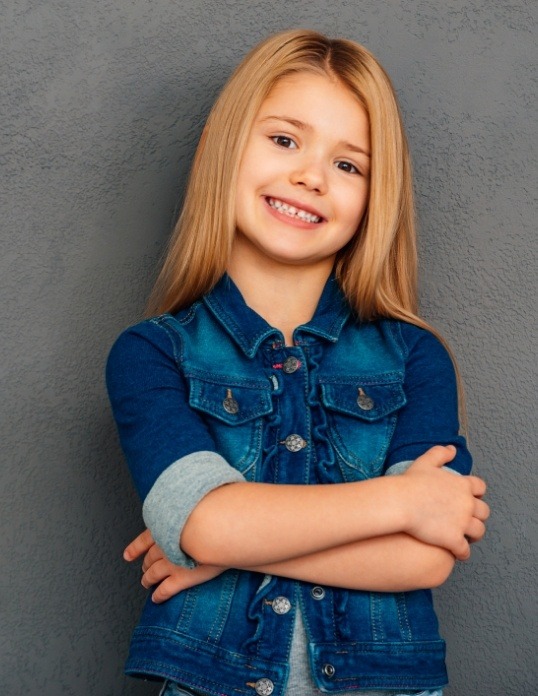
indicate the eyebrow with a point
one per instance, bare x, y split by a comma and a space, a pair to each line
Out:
304, 126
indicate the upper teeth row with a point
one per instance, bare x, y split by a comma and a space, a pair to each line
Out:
292, 211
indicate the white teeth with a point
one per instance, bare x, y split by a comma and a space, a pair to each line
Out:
291, 211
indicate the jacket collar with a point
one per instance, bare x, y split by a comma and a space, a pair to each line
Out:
249, 330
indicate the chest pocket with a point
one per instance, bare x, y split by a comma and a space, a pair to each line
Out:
233, 410
361, 417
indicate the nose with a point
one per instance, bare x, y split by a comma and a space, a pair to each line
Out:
310, 173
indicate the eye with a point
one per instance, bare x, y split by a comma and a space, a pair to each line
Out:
284, 141
347, 167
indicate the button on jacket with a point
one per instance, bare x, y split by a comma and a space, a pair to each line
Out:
212, 395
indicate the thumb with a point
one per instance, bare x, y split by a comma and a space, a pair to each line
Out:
437, 456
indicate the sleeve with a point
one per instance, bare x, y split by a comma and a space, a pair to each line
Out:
169, 449
430, 416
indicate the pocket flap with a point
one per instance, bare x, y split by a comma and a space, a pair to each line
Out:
230, 401
364, 399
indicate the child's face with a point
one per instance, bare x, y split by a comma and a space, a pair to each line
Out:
303, 181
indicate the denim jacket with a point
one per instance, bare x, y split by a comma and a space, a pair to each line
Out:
212, 395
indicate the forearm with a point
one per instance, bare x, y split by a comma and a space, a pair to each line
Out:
244, 525
394, 563
250, 524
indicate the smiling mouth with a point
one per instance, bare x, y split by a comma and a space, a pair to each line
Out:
292, 211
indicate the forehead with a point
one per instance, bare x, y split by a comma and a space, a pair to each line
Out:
318, 101
310, 80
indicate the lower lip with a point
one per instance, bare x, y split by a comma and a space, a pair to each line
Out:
289, 220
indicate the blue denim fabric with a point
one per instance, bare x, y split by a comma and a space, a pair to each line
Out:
171, 689
209, 396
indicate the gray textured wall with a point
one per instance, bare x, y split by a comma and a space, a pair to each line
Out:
101, 106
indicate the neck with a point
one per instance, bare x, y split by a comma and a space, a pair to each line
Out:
285, 296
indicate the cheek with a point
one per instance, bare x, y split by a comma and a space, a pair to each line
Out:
353, 208
361, 202
256, 163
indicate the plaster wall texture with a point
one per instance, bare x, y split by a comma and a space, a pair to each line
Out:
101, 107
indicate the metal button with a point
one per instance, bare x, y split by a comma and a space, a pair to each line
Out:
264, 687
317, 592
294, 443
364, 401
329, 670
229, 404
281, 605
290, 365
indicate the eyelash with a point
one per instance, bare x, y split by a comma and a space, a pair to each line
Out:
277, 139
353, 169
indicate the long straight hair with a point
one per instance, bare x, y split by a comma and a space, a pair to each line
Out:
377, 270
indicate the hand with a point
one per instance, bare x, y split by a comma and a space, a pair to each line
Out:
447, 510
158, 570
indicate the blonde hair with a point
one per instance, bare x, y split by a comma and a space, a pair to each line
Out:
377, 270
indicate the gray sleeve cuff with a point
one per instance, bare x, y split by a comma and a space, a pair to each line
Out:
176, 493
402, 467
398, 468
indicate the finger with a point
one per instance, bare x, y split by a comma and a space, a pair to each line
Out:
138, 546
157, 573
153, 555
170, 579
168, 588
478, 486
481, 510
475, 530
438, 456
461, 550
181, 579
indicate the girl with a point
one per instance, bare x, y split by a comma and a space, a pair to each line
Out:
286, 354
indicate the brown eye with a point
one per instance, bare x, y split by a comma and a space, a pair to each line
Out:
347, 167
284, 141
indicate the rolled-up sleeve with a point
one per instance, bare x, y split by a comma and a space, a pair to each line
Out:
169, 449
430, 416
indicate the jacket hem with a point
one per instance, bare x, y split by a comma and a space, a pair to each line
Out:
418, 665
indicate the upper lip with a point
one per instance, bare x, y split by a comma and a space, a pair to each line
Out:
298, 204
